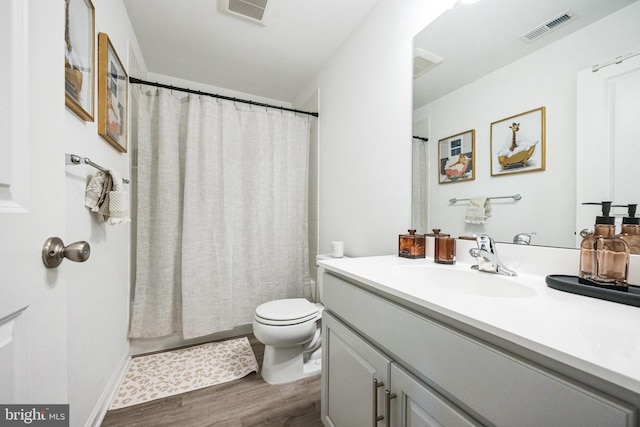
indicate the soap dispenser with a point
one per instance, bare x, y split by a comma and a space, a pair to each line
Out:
630, 230
604, 257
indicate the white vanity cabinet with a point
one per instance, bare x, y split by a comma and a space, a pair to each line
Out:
435, 374
361, 385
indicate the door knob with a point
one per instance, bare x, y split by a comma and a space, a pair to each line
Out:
54, 251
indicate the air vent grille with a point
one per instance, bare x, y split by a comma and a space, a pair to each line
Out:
558, 21
548, 26
423, 61
248, 9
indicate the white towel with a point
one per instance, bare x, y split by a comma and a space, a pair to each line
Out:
478, 211
105, 195
118, 201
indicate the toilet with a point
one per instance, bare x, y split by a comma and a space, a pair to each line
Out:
290, 331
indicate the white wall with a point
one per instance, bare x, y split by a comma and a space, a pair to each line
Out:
544, 78
365, 130
365, 176
97, 290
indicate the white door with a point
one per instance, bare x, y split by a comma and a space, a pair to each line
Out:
608, 126
32, 203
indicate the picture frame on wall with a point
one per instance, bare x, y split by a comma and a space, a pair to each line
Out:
79, 57
518, 143
113, 86
457, 157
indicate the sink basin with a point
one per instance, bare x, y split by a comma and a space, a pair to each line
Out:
468, 282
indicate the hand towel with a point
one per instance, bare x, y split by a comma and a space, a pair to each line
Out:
118, 201
478, 211
94, 191
103, 201
105, 195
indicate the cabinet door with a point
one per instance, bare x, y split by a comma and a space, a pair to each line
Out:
354, 376
414, 404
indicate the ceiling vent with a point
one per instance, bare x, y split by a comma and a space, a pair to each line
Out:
547, 27
252, 10
423, 61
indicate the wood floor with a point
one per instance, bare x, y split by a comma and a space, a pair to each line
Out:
249, 401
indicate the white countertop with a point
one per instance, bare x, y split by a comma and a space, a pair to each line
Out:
596, 336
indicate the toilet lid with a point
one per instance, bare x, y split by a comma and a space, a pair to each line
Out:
287, 309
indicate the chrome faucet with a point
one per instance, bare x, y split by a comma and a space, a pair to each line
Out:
487, 257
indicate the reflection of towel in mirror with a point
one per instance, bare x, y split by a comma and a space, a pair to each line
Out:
478, 211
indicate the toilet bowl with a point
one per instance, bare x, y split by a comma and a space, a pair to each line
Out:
289, 329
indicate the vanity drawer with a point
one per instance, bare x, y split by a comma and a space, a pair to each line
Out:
483, 380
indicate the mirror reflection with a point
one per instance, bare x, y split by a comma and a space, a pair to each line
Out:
485, 67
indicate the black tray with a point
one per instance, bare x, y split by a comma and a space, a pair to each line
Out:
571, 284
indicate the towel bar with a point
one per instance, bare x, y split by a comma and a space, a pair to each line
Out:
514, 197
73, 159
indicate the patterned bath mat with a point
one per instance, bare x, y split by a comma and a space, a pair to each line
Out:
174, 372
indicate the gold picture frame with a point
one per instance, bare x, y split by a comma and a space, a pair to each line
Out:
457, 158
518, 143
113, 88
79, 57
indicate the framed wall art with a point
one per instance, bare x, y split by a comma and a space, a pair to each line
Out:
456, 157
79, 57
113, 86
518, 143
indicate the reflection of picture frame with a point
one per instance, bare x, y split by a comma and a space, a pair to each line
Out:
112, 95
518, 143
79, 58
457, 158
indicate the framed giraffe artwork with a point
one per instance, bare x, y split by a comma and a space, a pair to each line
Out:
518, 143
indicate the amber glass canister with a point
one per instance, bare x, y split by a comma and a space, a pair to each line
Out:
444, 249
411, 245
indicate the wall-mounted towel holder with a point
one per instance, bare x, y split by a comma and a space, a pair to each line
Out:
515, 197
73, 159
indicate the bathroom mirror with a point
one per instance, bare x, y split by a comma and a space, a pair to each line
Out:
501, 59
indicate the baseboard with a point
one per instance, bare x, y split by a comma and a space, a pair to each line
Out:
109, 392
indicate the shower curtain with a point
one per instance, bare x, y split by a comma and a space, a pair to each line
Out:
221, 213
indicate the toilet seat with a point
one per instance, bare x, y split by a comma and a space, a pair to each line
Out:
286, 312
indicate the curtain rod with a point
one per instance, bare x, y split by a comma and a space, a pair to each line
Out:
134, 80
421, 138
616, 60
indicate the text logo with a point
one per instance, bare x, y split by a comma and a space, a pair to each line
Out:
34, 415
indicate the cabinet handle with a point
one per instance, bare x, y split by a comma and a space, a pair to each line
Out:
387, 406
376, 385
